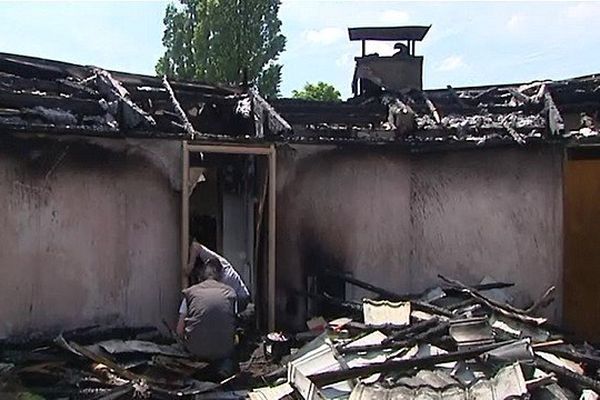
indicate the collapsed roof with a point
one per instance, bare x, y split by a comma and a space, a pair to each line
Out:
44, 96
519, 113
56, 97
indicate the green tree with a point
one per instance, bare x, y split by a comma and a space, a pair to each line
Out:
319, 91
216, 40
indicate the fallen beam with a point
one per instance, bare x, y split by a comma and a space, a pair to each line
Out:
327, 378
504, 309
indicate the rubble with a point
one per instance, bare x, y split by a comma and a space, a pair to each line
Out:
106, 363
470, 116
47, 96
477, 348
469, 343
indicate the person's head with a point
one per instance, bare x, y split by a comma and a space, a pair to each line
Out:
213, 269
197, 273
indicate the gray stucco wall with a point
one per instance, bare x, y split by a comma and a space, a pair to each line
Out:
91, 236
493, 212
397, 220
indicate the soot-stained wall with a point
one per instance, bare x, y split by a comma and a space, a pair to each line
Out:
346, 209
88, 234
397, 220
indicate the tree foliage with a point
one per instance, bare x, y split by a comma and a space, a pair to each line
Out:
319, 91
216, 40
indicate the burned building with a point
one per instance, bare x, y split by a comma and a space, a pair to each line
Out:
398, 184
94, 228
103, 171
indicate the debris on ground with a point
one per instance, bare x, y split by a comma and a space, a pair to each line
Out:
454, 341
114, 363
450, 342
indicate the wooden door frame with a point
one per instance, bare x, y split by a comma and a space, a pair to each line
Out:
266, 150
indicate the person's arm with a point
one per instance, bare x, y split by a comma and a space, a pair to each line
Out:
181, 326
233, 279
181, 322
193, 254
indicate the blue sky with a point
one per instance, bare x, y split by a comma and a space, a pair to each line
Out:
470, 43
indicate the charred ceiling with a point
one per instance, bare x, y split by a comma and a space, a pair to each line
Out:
503, 114
44, 96
54, 97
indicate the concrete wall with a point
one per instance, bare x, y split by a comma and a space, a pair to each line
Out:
88, 234
397, 220
344, 209
494, 212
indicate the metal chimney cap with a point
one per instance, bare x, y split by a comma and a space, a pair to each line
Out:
390, 33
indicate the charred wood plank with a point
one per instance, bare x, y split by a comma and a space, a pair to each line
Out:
427, 335
411, 330
53, 88
9, 99
267, 119
32, 68
189, 128
432, 109
567, 376
131, 115
326, 378
419, 305
556, 123
543, 302
504, 309
591, 360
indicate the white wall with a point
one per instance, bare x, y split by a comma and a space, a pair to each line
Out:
397, 220
89, 238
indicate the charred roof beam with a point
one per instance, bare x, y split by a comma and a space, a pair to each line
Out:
187, 125
132, 116
556, 123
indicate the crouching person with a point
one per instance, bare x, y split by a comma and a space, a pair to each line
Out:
207, 317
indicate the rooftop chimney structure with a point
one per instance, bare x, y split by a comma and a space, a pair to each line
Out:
403, 70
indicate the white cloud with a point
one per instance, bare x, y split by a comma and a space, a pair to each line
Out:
451, 63
345, 60
324, 36
394, 17
516, 23
584, 11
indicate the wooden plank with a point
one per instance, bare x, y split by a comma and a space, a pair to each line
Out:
556, 123
276, 124
431, 106
185, 212
8, 99
189, 128
230, 149
272, 282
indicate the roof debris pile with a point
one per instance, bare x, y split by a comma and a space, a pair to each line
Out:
56, 97
104, 363
525, 113
450, 342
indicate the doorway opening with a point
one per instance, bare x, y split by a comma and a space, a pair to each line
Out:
228, 205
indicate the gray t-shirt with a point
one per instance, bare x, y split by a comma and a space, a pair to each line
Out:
210, 320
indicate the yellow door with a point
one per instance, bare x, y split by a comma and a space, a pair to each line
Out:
581, 310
